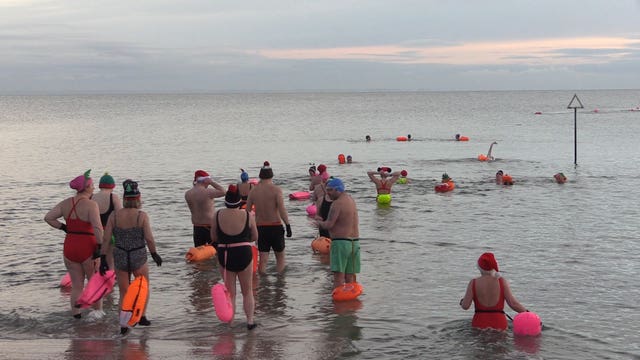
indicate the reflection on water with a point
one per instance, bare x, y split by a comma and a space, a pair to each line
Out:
417, 254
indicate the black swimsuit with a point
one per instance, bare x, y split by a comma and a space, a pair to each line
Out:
104, 217
238, 256
324, 213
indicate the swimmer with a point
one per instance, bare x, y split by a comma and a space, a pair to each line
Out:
499, 175
367, 138
201, 204
458, 137
409, 137
403, 177
349, 159
83, 237
342, 224
270, 215
560, 178
386, 180
234, 230
489, 156
489, 288
244, 186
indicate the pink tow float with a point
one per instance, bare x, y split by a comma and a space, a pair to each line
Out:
527, 324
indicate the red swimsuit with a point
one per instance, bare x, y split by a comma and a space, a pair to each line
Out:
489, 316
80, 241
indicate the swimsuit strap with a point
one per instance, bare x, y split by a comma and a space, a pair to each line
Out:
73, 208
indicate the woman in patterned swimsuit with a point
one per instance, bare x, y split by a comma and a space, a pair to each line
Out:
131, 230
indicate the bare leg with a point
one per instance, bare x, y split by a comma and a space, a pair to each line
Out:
280, 263
338, 279
262, 264
77, 283
229, 278
248, 302
351, 278
123, 284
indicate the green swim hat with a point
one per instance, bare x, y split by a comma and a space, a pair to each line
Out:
107, 182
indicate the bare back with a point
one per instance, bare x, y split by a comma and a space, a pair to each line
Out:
345, 213
201, 204
488, 290
103, 198
269, 204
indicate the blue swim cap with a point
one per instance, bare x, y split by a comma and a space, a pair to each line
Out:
244, 177
336, 184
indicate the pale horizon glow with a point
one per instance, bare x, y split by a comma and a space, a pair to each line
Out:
527, 52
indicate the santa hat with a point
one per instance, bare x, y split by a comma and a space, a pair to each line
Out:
265, 171
487, 262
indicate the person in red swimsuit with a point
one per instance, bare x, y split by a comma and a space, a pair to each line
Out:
488, 292
84, 232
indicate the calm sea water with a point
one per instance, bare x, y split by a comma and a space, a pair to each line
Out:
570, 252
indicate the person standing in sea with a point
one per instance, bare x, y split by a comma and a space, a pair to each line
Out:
489, 292
83, 237
130, 228
323, 202
201, 204
270, 214
343, 226
108, 202
384, 183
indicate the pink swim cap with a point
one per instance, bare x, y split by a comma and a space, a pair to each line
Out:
81, 182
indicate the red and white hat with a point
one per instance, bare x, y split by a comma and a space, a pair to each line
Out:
487, 262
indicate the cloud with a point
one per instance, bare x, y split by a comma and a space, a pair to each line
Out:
568, 51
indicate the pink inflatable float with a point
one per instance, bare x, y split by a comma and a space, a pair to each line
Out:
221, 299
527, 324
311, 210
299, 195
65, 281
97, 287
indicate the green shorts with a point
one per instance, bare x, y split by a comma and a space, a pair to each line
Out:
383, 198
345, 256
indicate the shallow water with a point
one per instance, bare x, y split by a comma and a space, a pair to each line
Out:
570, 252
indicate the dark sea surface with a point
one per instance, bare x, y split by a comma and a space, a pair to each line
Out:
570, 252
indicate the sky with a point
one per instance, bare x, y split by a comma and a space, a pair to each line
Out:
189, 46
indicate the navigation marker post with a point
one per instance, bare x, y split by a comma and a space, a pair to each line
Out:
575, 104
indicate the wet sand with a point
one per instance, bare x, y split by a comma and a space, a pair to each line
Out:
77, 349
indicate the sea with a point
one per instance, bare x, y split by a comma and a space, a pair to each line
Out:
570, 252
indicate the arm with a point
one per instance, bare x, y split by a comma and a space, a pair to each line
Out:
394, 177
94, 218
53, 215
511, 300
334, 212
466, 301
252, 225
214, 228
148, 235
117, 202
218, 190
281, 209
106, 239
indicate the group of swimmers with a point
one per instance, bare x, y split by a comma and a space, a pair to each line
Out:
118, 233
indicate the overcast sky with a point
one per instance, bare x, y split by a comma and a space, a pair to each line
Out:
213, 46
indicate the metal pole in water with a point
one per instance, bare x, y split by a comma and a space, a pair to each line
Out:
575, 106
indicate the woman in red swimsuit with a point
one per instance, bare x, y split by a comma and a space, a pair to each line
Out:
488, 292
83, 236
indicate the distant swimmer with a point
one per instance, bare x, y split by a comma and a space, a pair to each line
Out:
384, 183
367, 138
499, 175
403, 177
489, 156
458, 137
489, 288
349, 159
244, 186
560, 178
409, 137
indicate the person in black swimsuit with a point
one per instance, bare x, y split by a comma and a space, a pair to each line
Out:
234, 230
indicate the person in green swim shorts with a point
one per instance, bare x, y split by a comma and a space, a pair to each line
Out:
342, 224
